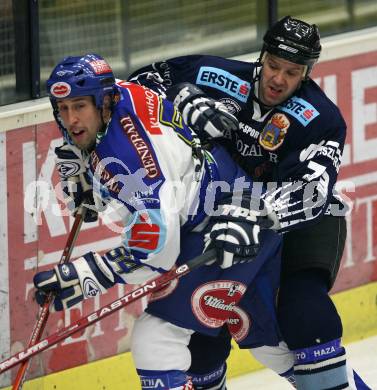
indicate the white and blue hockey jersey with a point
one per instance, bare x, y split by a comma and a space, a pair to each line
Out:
150, 166
164, 187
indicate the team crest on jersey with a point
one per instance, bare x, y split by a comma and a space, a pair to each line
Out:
213, 303
274, 132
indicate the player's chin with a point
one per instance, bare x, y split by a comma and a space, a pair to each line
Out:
85, 144
272, 102
81, 145
274, 97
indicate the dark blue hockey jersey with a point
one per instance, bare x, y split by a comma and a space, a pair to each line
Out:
294, 149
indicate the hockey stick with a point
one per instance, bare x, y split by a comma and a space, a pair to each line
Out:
44, 312
145, 289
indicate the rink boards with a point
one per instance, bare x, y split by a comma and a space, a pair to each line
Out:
357, 308
32, 237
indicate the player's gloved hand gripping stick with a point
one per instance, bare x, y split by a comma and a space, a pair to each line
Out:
141, 291
45, 310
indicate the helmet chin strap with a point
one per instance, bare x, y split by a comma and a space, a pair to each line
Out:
105, 119
256, 79
106, 112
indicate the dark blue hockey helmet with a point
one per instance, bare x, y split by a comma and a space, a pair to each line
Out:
293, 40
87, 75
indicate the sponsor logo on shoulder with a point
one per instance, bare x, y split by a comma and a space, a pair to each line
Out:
224, 81
299, 108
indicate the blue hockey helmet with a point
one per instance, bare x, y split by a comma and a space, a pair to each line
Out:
87, 75
293, 40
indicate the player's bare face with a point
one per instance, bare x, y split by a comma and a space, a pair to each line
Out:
279, 79
82, 120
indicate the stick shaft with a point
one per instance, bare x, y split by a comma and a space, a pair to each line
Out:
45, 311
145, 289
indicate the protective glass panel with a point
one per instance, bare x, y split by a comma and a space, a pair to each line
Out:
8, 92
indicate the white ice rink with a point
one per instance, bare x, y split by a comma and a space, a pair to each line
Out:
362, 356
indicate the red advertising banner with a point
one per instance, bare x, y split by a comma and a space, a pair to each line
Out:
36, 237
352, 84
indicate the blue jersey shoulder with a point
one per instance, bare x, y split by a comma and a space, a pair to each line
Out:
224, 76
312, 108
125, 160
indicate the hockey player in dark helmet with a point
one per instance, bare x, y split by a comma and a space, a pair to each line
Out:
287, 126
295, 41
290, 50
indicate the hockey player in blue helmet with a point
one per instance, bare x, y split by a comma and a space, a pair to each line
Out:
299, 167
87, 84
137, 149
76, 77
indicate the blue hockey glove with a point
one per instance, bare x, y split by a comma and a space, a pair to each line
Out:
207, 117
76, 183
235, 229
83, 278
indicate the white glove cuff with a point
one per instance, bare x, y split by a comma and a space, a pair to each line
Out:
271, 214
89, 283
68, 167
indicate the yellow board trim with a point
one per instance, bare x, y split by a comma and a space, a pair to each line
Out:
357, 307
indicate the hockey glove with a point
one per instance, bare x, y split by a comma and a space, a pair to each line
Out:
235, 230
235, 242
83, 278
207, 117
76, 183
151, 80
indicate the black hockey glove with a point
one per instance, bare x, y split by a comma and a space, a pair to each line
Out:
235, 229
207, 117
76, 183
151, 80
